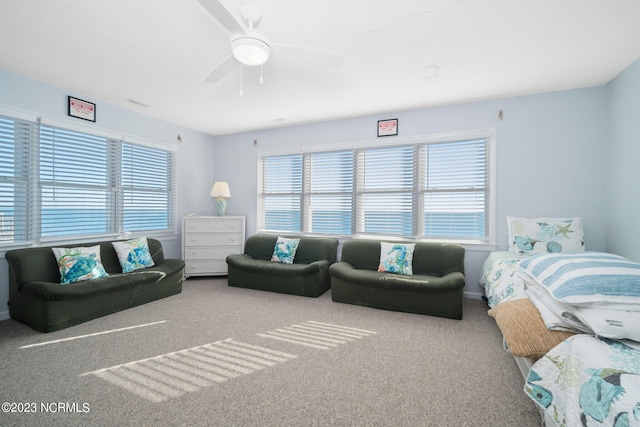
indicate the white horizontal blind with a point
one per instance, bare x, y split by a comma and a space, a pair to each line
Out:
59, 184
148, 188
386, 191
455, 189
419, 188
281, 193
330, 195
16, 207
74, 179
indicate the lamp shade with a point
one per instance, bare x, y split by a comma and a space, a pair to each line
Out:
220, 189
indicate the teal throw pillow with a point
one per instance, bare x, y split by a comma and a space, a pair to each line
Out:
285, 250
133, 254
78, 264
396, 258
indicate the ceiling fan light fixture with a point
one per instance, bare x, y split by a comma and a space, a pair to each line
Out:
250, 51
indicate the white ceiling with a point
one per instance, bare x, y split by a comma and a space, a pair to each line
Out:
158, 53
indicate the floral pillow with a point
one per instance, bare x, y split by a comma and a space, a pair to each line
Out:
77, 264
545, 235
133, 254
396, 258
285, 250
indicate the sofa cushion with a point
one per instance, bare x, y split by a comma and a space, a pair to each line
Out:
79, 264
285, 250
267, 268
417, 283
102, 286
133, 254
396, 258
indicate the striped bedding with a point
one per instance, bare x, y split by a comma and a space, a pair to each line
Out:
587, 278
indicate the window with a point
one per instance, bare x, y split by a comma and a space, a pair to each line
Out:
431, 187
282, 192
59, 184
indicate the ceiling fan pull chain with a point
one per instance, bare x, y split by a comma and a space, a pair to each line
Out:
240, 79
261, 80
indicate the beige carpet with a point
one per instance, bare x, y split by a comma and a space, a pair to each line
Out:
221, 356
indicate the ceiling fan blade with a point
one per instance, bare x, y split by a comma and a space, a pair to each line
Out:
222, 15
223, 68
309, 55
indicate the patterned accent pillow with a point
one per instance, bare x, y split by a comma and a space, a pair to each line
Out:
80, 263
133, 254
545, 235
285, 250
396, 258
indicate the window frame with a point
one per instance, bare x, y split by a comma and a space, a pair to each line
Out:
115, 209
487, 134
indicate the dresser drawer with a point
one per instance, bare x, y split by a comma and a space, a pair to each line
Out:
210, 253
205, 267
208, 240
207, 226
212, 239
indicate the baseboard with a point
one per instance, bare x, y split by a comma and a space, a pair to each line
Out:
4, 315
472, 295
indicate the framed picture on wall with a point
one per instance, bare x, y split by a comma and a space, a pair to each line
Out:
387, 127
81, 109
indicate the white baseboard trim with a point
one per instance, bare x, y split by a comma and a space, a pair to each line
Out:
472, 295
4, 315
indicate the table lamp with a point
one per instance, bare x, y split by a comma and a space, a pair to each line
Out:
221, 191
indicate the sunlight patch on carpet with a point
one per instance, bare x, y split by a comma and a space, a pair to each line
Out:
95, 334
318, 335
173, 374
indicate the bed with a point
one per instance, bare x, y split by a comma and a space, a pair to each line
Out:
547, 300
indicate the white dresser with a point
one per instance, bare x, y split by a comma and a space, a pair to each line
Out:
206, 242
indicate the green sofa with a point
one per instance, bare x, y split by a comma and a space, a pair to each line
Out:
307, 276
435, 288
37, 298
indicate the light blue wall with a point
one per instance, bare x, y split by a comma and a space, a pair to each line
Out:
622, 171
549, 157
195, 176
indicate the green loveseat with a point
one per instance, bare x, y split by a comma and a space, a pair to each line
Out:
307, 276
435, 288
37, 298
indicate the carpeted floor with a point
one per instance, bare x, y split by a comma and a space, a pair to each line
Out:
221, 356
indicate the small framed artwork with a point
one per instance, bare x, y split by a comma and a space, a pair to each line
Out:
81, 109
387, 127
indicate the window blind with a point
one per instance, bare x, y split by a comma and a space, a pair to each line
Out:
436, 188
455, 190
16, 207
386, 194
148, 188
59, 184
330, 178
281, 193
74, 173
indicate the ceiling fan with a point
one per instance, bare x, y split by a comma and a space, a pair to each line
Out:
251, 47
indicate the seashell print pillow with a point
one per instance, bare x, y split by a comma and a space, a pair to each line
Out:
133, 254
396, 258
285, 250
545, 235
80, 263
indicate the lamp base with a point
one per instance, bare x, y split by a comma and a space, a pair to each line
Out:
221, 206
